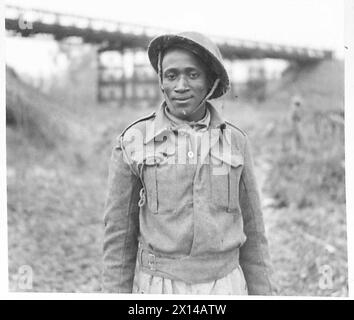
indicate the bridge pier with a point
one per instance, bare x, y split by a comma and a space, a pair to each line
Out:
139, 87
111, 82
143, 80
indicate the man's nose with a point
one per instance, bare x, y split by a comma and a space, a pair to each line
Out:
182, 84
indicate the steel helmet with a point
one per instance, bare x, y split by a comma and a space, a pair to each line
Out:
198, 44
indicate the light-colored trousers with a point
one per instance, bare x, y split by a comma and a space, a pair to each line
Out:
233, 283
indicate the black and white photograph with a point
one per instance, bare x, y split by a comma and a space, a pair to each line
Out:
176, 147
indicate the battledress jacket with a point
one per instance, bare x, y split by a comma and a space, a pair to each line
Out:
190, 216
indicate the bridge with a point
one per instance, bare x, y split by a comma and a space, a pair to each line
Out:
28, 22
114, 35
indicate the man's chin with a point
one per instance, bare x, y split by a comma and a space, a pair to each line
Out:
182, 111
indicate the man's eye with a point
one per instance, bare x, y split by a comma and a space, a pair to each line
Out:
193, 75
171, 76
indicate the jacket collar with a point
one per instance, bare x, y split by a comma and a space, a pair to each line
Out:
161, 123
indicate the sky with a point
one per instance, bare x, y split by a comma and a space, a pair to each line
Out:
311, 23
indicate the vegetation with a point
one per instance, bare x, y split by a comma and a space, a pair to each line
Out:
58, 146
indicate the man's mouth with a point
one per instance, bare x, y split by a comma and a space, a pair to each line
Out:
182, 99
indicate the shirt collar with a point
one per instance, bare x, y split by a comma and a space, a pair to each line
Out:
163, 122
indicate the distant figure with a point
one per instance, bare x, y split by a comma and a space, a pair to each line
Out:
295, 117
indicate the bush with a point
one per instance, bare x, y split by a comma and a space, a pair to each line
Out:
313, 173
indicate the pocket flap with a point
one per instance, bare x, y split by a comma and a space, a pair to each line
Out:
236, 160
157, 158
233, 160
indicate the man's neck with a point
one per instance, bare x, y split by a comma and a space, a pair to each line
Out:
196, 116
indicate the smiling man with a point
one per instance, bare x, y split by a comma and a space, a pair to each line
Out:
182, 214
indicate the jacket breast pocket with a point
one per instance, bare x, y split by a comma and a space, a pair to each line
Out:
160, 183
225, 174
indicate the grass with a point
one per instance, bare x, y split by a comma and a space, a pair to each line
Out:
304, 196
56, 191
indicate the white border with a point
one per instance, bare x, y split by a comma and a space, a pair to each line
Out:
3, 191
349, 137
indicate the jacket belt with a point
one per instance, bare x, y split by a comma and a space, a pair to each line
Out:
190, 269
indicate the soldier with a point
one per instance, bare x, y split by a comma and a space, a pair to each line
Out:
295, 119
183, 214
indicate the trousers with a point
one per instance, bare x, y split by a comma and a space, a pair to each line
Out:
233, 283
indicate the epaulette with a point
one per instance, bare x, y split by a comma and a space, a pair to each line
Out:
120, 139
137, 121
237, 128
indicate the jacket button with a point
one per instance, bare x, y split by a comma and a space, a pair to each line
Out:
190, 154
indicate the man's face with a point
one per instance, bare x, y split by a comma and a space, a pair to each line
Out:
185, 83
